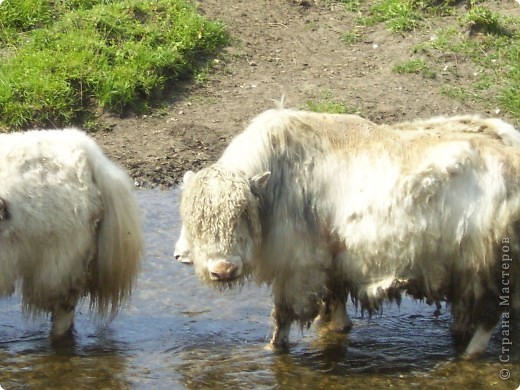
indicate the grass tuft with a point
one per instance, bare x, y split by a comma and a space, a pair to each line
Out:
416, 66
323, 102
400, 16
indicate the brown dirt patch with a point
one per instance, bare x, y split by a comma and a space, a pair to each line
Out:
281, 47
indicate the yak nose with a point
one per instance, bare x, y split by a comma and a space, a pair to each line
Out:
223, 270
182, 259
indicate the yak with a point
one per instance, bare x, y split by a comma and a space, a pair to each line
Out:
69, 226
320, 206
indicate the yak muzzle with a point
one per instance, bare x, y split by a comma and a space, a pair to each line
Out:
223, 271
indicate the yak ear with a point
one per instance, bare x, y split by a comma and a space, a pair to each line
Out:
259, 182
187, 178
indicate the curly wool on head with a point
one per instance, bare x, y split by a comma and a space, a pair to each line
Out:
214, 201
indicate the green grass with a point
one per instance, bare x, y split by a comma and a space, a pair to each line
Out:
398, 15
323, 102
487, 40
351, 37
63, 60
351, 5
406, 15
457, 93
417, 66
484, 20
509, 95
495, 53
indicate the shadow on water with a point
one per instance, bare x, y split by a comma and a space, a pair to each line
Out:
176, 333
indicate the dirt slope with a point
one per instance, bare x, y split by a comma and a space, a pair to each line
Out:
281, 47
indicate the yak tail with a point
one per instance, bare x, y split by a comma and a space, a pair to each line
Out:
119, 243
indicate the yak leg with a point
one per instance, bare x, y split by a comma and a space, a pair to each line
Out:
485, 320
63, 318
334, 312
478, 343
62, 322
339, 321
282, 327
325, 315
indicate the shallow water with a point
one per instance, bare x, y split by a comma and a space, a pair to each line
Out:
178, 334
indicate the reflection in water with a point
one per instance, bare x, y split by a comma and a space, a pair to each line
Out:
36, 362
176, 333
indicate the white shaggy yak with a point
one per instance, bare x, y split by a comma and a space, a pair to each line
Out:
69, 226
320, 206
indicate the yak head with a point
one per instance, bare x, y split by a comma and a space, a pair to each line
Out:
221, 221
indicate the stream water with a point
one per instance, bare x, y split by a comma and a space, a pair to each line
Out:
177, 334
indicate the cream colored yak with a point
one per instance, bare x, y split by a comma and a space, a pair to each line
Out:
320, 206
69, 226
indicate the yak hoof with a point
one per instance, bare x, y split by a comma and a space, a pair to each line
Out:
281, 346
471, 356
279, 343
342, 328
341, 324
478, 343
62, 323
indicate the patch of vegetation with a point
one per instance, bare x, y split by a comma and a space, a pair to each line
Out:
350, 38
487, 40
483, 20
323, 102
458, 93
403, 16
509, 95
417, 66
351, 5
398, 15
491, 43
64, 59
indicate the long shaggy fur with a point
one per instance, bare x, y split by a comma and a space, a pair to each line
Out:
420, 207
72, 225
